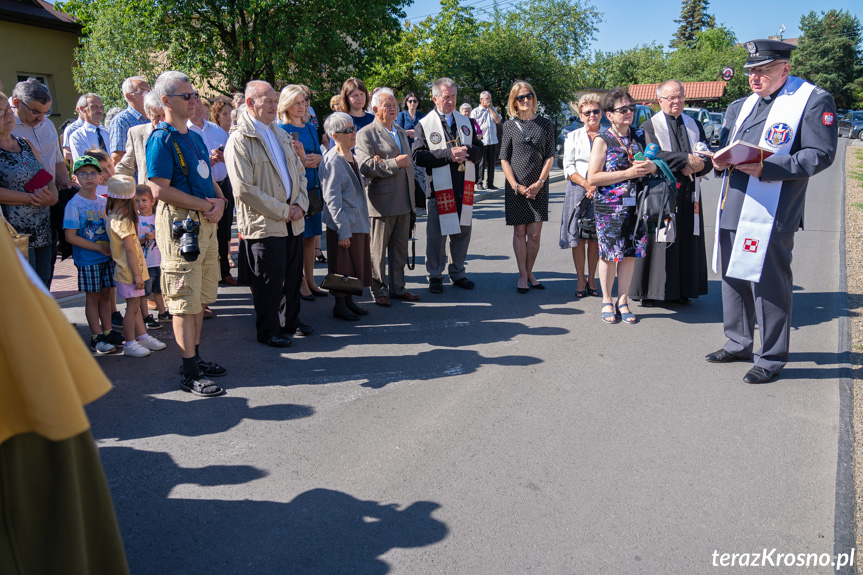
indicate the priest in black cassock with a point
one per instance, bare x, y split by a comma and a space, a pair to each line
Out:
676, 271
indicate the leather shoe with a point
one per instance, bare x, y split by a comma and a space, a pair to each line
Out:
723, 356
436, 285
759, 375
277, 341
464, 283
649, 303
347, 316
228, 281
309, 297
407, 296
303, 330
383, 301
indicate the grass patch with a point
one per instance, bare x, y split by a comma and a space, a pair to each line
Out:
856, 175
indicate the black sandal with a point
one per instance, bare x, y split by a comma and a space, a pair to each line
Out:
321, 259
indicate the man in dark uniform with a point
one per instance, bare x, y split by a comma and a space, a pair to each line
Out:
796, 121
676, 271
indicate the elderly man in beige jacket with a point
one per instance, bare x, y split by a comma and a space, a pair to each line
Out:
270, 191
384, 157
134, 162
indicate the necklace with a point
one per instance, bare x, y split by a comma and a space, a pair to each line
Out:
627, 149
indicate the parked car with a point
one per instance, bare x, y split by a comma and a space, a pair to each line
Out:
718, 118
641, 114
851, 125
702, 116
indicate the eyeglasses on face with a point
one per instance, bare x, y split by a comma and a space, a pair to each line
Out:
523, 97
87, 175
672, 99
761, 70
31, 110
350, 130
187, 96
625, 109
136, 92
412, 101
591, 113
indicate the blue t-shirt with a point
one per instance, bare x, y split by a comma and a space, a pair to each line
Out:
162, 160
309, 139
88, 218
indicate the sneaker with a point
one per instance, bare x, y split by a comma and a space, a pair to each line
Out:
165, 316
135, 349
151, 322
200, 386
114, 338
152, 343
117, 319
100, 346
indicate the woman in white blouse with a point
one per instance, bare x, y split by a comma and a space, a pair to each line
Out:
579, 194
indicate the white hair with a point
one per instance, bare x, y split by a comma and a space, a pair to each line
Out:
127, 84
83, 100
379, 93
441, 83
465, 105
152, 105
110, 115
336, 122
167, 83
485, 94
255, 87
662, 86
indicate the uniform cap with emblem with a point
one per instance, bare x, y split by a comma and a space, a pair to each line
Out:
763, 52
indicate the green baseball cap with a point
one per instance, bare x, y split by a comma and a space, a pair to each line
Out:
86, 161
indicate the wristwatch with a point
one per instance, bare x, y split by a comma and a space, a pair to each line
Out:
542, 181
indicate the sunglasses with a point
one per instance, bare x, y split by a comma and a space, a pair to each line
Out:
761, 70
524, 97
592, 113
350, 130
187, 96
413, 101
625, 109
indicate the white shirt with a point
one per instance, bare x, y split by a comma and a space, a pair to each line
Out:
576, 153
70, 129
214, 137
85, 138
486, 123
278, 153
44, 139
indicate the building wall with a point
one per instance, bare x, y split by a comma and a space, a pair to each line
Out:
29, 50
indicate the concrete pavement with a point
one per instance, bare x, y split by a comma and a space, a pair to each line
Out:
491, 432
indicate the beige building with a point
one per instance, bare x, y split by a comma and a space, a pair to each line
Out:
36, 40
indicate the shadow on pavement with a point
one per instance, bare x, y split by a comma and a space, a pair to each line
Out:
319, 531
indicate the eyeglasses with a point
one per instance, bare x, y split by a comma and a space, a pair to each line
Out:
7, 110
136, 92
592, 112
87, 175
761, 70
524, 97
625, 109
32, 111
413, 101
187, 96
672, 99
350, 130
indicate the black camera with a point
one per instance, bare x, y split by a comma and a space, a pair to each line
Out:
187, 232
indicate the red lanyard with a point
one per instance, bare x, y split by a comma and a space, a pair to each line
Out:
627, 149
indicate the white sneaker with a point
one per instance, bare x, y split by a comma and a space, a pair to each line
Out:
135, 349
152, 343
103, 347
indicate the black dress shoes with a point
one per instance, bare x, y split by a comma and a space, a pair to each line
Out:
302, 330
759, 375
723, 356
277, 341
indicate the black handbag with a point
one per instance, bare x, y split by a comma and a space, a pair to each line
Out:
345, 284
586, 219
316, 203
657, 197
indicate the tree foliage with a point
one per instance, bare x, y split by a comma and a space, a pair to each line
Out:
693, 19
713, 50
223, 44
540, 43
829, 55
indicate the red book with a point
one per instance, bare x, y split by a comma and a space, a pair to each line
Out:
39, 181
741, 153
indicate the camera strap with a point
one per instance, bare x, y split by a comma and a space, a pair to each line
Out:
184, 167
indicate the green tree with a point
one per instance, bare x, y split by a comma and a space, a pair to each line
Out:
223, 44
828, 54
693, 19
645, 64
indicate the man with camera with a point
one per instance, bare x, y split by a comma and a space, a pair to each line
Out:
269, 184
190, 206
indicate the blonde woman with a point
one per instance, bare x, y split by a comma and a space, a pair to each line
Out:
579, 193
293, 116
526, 156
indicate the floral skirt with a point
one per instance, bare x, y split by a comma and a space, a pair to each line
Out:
615, 233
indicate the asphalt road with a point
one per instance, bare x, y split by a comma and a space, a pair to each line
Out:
491, 432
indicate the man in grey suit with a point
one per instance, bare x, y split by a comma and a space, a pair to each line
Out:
384, 159
796, 121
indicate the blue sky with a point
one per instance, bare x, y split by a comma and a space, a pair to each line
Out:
628, 23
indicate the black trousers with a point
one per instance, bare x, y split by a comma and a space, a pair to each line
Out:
223, 232
276, 266
487, 163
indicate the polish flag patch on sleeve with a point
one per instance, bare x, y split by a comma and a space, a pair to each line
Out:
827, 118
